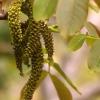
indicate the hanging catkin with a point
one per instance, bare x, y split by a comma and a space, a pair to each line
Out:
24, 27
16, 32
48, 38
33, 50
27, 8
26, 38
37, 64
33, 40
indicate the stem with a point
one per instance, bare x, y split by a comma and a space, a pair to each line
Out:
54, 28
49, 68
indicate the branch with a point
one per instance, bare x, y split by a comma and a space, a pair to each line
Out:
3, 14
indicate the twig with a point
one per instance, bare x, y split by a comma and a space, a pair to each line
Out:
3, 14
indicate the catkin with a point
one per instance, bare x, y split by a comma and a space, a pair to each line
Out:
33, 40
24, 27
32, 50
26, 40
27, 8
37, 64
16, 32
48, 38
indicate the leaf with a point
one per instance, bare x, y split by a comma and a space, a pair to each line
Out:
90, 40
71, 15
93, 32
62, 90
59, 70
43, 76
97, 2
44, 9
94, 57
92, 29
76, 42
93, 6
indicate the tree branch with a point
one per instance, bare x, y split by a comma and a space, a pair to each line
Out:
3, 14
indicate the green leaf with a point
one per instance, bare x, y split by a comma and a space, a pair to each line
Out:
93, 32
62, 90
90, 40
60, 71
94, 57
71, 15
76, 42
44, 9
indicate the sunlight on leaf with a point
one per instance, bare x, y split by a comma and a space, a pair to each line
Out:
71, 15
94, 57
93, 6
62, 91
93, 32
76, 42
90, 40
44, 9
60, 71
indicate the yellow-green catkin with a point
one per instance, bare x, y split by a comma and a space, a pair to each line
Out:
24, 26
16, 32
33, 40
26, 38
32, 50
48, 38
27, 8
31, 85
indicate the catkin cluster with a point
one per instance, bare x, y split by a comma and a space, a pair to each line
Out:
26, 41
